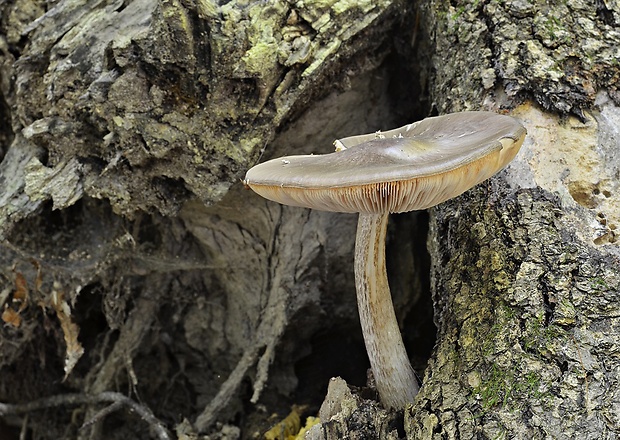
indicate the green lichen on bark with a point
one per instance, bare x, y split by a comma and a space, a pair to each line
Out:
561, 53
160, 101
518, 324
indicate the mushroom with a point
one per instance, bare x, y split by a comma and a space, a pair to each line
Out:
410, 168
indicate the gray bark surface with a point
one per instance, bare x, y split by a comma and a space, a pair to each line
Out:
527, 314
161, 101
132, 261
561, 54
525, 268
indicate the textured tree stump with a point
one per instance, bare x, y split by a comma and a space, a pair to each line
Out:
139, 277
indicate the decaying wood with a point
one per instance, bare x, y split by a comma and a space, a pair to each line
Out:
125, 128
346, 415
116, 400
161, 101
119, 112
521, 340
560, 54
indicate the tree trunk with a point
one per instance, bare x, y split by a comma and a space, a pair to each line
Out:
138, 275
146, 294
526, 268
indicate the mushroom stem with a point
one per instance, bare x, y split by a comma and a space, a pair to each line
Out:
394, 376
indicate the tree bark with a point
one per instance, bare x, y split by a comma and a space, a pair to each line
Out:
133, 263
525, 268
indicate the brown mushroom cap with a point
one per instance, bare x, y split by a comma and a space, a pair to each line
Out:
413, 167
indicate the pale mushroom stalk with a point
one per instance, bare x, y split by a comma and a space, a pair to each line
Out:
394, 376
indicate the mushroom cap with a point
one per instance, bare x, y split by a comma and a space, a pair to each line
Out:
413, 167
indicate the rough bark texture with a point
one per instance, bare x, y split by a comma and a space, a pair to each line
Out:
134, 264
526, 268
120, 123
148, 103
561, 54
527, 322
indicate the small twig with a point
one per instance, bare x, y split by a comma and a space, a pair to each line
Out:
24, 430
227, 390
102, 414
117, 399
